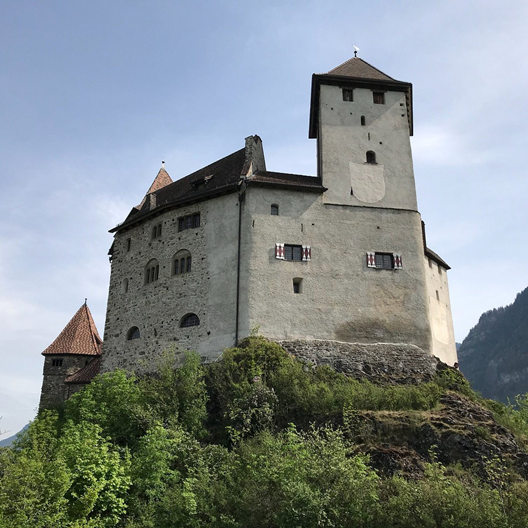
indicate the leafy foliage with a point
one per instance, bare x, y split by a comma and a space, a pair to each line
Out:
257, 440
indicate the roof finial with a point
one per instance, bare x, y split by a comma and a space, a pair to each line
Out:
163, 164
356, 49
85, 300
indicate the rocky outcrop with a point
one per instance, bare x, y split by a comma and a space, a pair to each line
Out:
459, 431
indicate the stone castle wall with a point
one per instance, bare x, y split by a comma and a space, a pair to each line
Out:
377, 362
341, 298
157, 308
54, 391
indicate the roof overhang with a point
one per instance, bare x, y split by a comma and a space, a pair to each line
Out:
439, 260
354, 82
206, 195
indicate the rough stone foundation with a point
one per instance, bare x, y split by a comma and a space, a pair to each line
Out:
379, 363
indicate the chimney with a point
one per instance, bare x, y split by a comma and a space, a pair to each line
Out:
254, 154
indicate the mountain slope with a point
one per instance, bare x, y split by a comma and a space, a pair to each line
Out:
494, 355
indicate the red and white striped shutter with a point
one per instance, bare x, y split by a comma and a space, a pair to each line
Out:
397, 261
279, 251
306, 253
371, 259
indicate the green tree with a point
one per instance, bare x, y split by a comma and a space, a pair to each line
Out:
113, 402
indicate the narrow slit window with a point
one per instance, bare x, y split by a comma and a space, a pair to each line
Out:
362, 120
297, 285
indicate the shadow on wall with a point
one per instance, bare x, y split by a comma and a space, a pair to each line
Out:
383, 331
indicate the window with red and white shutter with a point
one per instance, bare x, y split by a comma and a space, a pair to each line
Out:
293, 252
384, 260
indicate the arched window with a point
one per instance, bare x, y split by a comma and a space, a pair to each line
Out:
274, 210
371, 157
362, 120
181, 262
189, 320
133, 333
151, 271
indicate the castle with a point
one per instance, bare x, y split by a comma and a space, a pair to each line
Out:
340, 256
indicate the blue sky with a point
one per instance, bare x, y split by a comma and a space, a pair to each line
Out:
95, 94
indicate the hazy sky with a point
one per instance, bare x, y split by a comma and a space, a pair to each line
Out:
96, 93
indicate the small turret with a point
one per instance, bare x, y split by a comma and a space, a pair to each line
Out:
71, 360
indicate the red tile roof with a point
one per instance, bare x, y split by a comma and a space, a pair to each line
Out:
161, 180
358, 68
79, 337
87, 373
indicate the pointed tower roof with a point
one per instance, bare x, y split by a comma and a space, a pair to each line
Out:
79, 337
356, 73
359, 69
161, 180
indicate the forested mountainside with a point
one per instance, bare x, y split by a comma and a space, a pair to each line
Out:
494, 355
261, 439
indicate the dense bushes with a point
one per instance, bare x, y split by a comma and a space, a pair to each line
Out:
255, 440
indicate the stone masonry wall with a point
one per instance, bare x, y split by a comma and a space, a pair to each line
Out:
54, 390
379, 363
157, 308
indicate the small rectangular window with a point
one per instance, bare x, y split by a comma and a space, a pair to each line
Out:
384, 261
56, 362
297, 285
189, 222
292, 252
348, 94
378, 97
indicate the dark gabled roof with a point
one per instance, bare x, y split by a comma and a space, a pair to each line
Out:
359, 69
356, 72
219, 177
79, 337
87, 373
434, 256
284, 180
